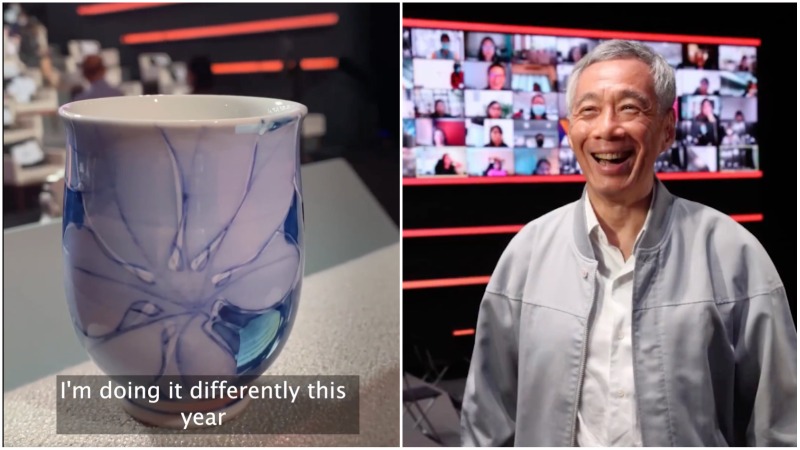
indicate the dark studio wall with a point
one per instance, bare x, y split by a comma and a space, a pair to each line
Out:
430, 315
353, 98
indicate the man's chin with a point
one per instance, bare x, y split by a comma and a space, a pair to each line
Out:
610, 186
624, 188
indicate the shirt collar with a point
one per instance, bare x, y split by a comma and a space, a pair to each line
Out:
593, 224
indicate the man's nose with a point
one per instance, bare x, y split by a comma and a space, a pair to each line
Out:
607, 126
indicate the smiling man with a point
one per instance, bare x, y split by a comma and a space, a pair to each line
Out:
631, 317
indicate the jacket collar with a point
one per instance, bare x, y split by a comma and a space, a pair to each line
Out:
654, 232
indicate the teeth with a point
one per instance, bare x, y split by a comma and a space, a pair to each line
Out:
609, 155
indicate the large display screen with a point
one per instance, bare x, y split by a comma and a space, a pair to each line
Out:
483, 104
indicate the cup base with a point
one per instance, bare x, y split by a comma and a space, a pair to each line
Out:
195, 415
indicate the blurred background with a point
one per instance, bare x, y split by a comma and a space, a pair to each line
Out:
457, 222
338, 59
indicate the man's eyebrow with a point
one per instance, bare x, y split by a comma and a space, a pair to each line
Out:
588, 96
636, 95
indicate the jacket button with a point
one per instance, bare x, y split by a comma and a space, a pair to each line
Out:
584, 273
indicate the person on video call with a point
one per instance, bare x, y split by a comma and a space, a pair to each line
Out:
542, 167
457, 77
744, 64
751, 90
446, 166
730, 137
444, 52
738, 125
538, 140
631, 317
439, 110
497, 77
439, 138
705, 126
699, 58
488, 50
577, 52
703, 88
538, 107
495, 168
695, 163
494, 110
496, 137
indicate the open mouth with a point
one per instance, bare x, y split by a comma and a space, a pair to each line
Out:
605, 159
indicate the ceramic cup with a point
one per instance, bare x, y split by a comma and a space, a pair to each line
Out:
182, 236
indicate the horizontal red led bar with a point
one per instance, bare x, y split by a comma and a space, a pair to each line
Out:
742, 218
231, 29
524, 179
319, 63
511, 229
466, 332
597, 34
709, 175
110, 8
228, 68
272, 65
462, 231
445, 282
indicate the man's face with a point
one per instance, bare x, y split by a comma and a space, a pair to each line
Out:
497, 78
616, 129
439, 107
704, 86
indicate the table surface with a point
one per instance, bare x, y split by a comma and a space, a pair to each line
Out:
347, 322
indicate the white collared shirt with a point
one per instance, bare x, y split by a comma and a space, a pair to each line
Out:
607, 414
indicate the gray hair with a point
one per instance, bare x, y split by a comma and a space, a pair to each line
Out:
663, 74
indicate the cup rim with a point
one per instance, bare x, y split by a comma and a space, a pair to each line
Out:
283, 110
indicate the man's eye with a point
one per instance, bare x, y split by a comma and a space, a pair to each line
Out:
587, 109
629, 108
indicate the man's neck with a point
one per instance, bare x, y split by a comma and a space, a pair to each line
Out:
621, 220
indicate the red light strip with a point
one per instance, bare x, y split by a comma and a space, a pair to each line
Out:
231, 29
319, 63
709, 175
110, 8
466, 332
462, 231
742, 218
229, 68
469, 281
511, 229
272, 65
598, 34
445, 282
525, 179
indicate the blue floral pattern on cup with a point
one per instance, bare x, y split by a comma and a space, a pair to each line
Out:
183, 245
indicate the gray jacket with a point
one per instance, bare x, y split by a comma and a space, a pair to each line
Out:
714, 345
